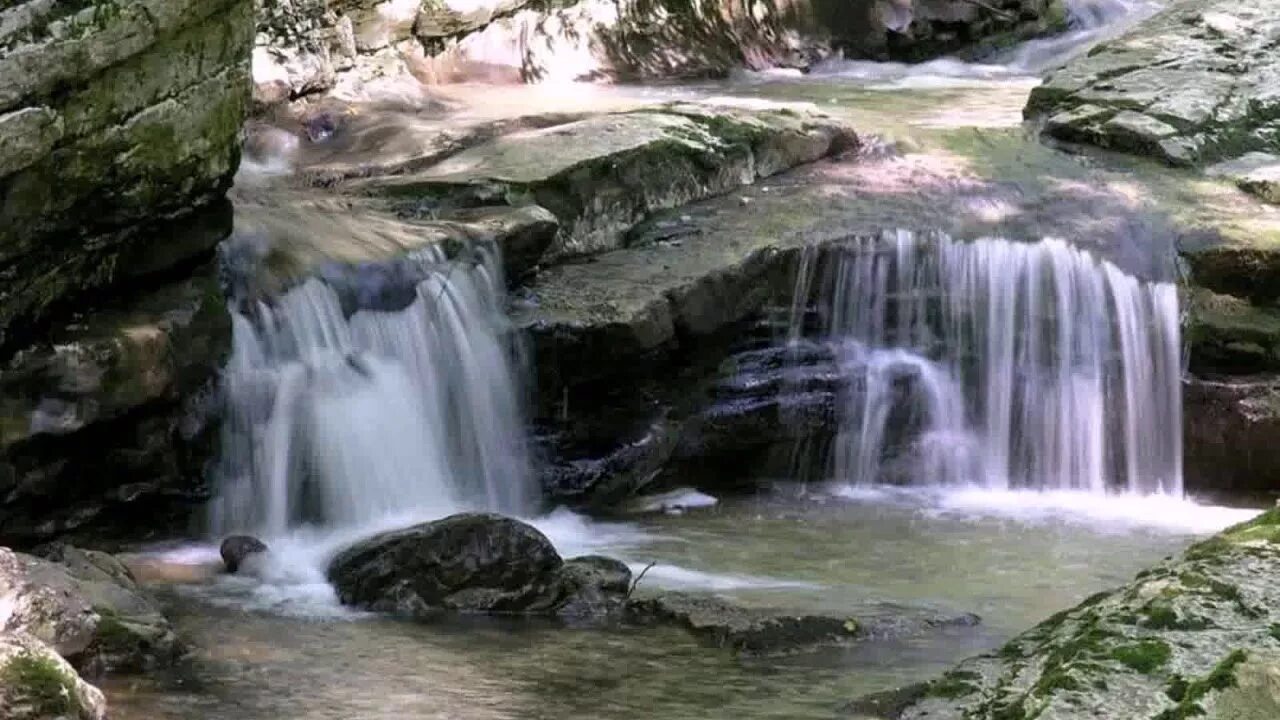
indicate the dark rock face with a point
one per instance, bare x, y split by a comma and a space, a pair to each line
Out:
236, 549
108, 422
473, 563
1230, 426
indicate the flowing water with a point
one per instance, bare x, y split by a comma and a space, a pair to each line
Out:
1012, 365
1022, 397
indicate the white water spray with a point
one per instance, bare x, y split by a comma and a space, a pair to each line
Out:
999, 364
374, 418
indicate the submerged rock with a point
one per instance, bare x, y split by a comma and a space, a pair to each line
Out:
87, 607
1195, 636
37, 684
772, 631
474, 563
237, 549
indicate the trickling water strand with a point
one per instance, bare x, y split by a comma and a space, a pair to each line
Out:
999, 364
344, 422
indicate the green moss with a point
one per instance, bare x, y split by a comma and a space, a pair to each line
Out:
110, 631
41, 683
1275, 630
1145, 656
954, 684
1159, 616
1189, 694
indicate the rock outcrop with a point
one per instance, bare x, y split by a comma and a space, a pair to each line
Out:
475, 563
114, 116
1195, 636
1195, 84
87, 607
105, 425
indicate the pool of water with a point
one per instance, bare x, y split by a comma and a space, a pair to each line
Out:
1013, 558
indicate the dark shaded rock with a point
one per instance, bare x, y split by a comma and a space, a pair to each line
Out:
479, 563
236, 549
1230, 426
886, 705
107, 423
591, 586
603, 481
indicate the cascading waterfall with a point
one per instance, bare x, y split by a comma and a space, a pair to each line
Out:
998, 364
343, 420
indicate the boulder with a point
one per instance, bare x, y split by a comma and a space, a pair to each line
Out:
473, 563
601, 175
37, 684
105, 424
237, 549
1257, 173
1193, 636
88, 608
1191, 86
112, 116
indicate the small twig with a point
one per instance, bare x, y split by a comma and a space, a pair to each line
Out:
638, 578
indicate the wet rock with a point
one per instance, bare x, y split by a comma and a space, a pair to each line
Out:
1229, 429
1190, 637
37, 684
474, 563
112, 115
602, 175
765, 631
1231, 335
106, 424
237, 549
745, 630
602, 481
1191, 86
87, 607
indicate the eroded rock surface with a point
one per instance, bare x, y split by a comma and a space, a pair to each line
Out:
112, 115
1195, 84
37, 684
1191, 637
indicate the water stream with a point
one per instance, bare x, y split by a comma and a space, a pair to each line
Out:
1022, 399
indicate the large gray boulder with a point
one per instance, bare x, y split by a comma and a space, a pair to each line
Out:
1193, 636
37, 684
112, 115
473, 563
1195, 84
88, 608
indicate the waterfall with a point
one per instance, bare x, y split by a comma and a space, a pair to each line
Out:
343, 413
998, 364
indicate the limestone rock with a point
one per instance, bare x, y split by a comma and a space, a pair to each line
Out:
1191, 637
473, 563
112, 116
37, 684
86, 606
601, 175
455, 17
1192, 85
1229, 429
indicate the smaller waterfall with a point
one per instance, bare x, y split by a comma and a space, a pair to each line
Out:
998, 364
342, 415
